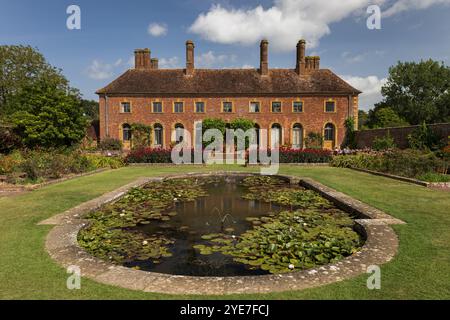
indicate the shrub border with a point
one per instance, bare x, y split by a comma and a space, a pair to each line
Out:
380, 247
444, 185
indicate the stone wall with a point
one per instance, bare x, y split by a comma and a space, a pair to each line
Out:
365, 138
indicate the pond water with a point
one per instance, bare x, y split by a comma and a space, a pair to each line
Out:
220, 226
223, 211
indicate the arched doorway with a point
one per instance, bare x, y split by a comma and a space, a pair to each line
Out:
126, 135
257, 131
179, 133
297, 136
276, 136
329, 136
159, 135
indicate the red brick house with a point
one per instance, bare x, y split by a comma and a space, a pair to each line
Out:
289, 103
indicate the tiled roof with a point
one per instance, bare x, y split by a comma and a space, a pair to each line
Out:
227, 82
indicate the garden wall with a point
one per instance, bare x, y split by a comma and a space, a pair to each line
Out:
365, 138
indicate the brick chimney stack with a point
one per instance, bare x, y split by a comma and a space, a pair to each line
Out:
301, 63
190, 65
264, 63
142, 59
155, 63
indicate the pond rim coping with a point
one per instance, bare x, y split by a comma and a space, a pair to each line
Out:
380, 247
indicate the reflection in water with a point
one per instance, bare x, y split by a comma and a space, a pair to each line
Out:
223, 211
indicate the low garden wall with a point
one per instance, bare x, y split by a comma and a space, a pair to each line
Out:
365, 138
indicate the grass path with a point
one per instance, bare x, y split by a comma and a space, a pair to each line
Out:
421, 270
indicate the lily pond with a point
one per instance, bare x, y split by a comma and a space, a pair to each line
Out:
220, 226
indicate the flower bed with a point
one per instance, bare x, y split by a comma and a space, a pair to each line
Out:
149, 155
406, 163
37, 166
287, 155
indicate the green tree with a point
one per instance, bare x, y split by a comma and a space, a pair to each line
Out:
211, 123
22, 67
244, 125
418, 92
363, 117
49, 115
385, 117
90, 109
424, 138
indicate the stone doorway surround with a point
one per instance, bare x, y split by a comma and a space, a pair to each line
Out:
380, 247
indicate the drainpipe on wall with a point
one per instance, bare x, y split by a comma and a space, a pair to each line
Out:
106, 116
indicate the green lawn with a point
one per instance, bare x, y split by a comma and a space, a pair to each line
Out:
421, 270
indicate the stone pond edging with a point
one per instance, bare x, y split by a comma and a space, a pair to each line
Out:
380, 247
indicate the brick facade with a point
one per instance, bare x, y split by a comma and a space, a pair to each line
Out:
312, 119
306, 83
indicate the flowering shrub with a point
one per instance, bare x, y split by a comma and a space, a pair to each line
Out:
149, 155
289, 155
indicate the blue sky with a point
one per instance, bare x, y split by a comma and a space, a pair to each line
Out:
227, 34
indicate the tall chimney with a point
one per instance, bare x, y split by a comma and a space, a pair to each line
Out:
190, 66
142, 59
316, 63
301, 49
264, 65
155, 64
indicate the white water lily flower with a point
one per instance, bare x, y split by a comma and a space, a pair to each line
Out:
291, 266
175, 199
145, 243
122, 214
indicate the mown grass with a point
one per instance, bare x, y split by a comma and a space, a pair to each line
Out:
421, 270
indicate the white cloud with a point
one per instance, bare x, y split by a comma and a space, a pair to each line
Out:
157, 29
99, 70
371, 88
349, 58
405, 5
169, 63
287, 21
248, 66
210, 59
283, 24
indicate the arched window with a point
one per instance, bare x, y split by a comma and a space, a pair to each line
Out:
276, 136
297, 136
179, 133
329, 133
159, 134
126, 132
257, 128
